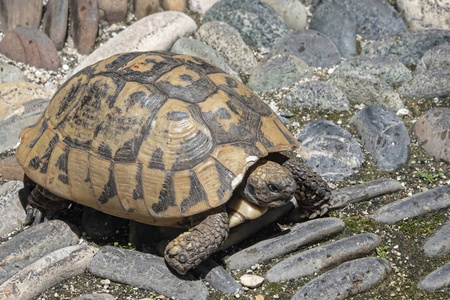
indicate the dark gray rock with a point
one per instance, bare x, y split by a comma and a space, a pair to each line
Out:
409, 48
438, 243
416, 205
145, 271
101, 296
427, 85
317, 95
316, 259
439, 280
363, 192
383, 135
54, 22
12, 213
329, 149
389, 69
286, 242
10, 73
278, 71
315, 48
336, 22
437, 58
33, 243
348, 279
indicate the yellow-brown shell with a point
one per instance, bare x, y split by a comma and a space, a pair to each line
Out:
149, 136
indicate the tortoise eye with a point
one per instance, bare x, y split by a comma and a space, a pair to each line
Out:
273, 188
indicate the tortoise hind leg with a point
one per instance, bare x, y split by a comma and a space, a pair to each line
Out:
192, 247
43, 204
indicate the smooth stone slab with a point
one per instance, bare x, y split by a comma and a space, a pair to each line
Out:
10, 73
113, 11
102, 296
277, 71
363, 192
10, 169
54, 22
84, 24
143, 8
416, 205
329, 149
311, 261
293, 12
25, 13
348, 279
437, 58
317, 95
145, 271
32, 244
438, 280
438, 243
384, 135
286, 242
12, 213
155, 32
46, 272
427, 85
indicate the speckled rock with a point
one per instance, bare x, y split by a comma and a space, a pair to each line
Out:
84, 24
425, 14
24, 13
315, 48
12, 215
329, 149
438, 243
10, 169
112, 11
143, 8
437, 58
432, 131
427, 85
278, 71
54, 22
384, 135
292, 11
336, 22
201, 6
10, 73
317, 95
438, 280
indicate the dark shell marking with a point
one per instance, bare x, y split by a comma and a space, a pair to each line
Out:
152, 137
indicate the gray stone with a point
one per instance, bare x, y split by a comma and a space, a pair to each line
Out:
424, 14
427, 85
409, 48
54, 22
438, 243
102, 296
314, 260
201, 6
228, 42
33, 243
145, 271
292, 11
389, 69
367, 89
363, 192
383, 135
317, 95
202, 50
286, 242
329, 149
438, 280
416, 205
278, 71
315, 48
348, 279
437, 58
10, 73
12, 213
336, 22
46, 272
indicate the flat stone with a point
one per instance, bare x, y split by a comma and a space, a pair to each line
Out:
427, 85
24, 13
329, 149
156, 32
32, 244
251, 281
101, 296
218, 277
311, 261
112, 11
12, 213
315, 48
30, 46
348, 279
84, 24
55, 22
277, 71
44, 273
293, 12
367, 89
316, 94
437, 58
145, 271
336, 22
384, 135
287, 241
10, 73
416, 205
10, 169
363, 192
438, 243
201, 6
439, 280
229, 44
424, 14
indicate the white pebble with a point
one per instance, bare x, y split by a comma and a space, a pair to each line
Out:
251, 281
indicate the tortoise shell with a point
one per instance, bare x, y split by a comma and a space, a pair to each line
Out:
150, 136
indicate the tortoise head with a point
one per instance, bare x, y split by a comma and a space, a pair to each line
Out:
269, 184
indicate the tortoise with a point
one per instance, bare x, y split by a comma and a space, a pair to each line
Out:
166, 140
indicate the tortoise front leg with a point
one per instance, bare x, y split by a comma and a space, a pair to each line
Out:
192, 247
43, 204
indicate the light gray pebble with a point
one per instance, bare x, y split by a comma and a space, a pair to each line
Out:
416, 205
384, 135
101, 296
10, 73
348, 279
286, 242
145, 271
319, 258
292, 11
437, 58
12, 213
438, 243
427, 85
438, 280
